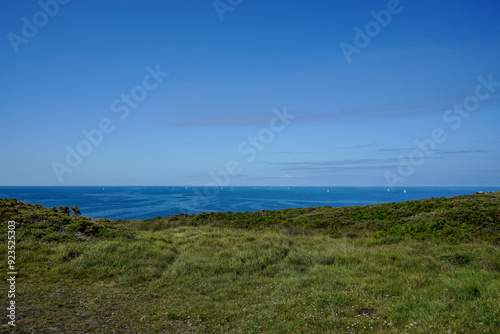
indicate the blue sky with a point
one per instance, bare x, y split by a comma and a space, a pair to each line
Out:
354, 123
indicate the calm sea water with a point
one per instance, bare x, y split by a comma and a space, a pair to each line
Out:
150, 202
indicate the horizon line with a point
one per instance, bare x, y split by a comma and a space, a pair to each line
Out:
259, 186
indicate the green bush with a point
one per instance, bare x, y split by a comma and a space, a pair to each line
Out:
56, 237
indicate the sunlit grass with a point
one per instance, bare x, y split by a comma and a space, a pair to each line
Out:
232, 280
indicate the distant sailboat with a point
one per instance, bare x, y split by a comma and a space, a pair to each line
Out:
388, 189
327, 190
404, 191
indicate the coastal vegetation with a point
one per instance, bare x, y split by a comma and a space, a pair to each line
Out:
413, 267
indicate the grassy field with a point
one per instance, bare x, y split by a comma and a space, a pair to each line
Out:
430, 266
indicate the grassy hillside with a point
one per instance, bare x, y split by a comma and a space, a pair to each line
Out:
421, 266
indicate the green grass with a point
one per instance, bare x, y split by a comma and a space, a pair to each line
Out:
388, 268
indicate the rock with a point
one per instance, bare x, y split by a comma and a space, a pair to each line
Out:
365, 311
480, 192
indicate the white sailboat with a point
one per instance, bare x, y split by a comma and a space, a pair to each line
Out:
388, 189
404, 191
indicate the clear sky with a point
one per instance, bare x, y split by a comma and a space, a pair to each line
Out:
362, 91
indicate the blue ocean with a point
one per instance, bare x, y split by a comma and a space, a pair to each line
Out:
150, 202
